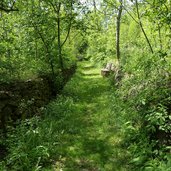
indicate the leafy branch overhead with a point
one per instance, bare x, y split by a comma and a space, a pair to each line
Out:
8, 6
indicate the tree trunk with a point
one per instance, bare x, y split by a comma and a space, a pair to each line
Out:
118, 23
59, 38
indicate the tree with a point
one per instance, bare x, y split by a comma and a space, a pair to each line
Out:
118, 23
41, 35
57, 7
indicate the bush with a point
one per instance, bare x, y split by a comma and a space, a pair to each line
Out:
145, 93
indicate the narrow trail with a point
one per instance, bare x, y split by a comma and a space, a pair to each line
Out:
88, 140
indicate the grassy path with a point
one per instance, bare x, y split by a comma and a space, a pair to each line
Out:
87, 137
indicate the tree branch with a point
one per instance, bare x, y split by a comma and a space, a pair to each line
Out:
142, 28
69, 27
130, 14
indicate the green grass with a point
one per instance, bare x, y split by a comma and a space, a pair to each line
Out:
88, 140
78, 132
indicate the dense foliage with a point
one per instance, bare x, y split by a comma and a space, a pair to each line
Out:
45, 37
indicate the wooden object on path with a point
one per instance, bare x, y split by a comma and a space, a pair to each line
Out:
106, 71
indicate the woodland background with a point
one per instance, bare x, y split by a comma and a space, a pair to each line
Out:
42, 42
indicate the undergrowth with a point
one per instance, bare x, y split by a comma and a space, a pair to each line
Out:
145, 92
97, 126
77, 131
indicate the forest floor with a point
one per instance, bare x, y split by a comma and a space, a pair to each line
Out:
88, 138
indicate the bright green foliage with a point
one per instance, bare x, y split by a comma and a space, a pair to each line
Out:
29, 43
92, 125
